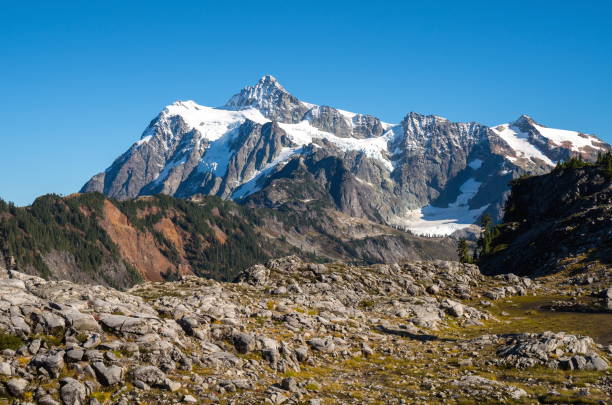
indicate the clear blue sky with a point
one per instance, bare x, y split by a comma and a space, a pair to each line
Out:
79, 82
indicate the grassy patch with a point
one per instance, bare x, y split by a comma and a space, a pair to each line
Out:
51, 340
525, 315
366, 304
8, 341
309, 372
102, 396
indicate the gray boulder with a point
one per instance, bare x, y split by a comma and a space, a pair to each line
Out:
151, 375
16, 386
53, 362
5, 369
74, 355
72, 392
47, 400
595, 362
244, 342
108, 375
125, 324
189, 325
592, 362
289, 384
79, 321
322, 345
254, 275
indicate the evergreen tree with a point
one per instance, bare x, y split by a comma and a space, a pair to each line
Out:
463, 252
486, 235
605, 161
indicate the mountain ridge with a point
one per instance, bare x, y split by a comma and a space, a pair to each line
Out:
427, 174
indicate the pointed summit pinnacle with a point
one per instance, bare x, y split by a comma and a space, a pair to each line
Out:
271, 99
268, 79
266, 90
524, 123
524, 118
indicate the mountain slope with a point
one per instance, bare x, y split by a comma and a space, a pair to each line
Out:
90, 238
558, 222
426, 173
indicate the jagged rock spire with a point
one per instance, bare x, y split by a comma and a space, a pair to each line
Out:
271, 98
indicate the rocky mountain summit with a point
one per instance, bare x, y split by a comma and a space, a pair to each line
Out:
266, 147
293, 332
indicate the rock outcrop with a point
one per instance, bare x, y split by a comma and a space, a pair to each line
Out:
286, 331
558, 222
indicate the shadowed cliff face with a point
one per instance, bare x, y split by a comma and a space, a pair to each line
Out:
557, 222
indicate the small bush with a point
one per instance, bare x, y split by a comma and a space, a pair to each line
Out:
365, 304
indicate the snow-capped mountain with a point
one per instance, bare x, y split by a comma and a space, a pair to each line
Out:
266, 147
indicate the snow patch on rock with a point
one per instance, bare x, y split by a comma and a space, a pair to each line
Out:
303, 133
519, 142
562, 137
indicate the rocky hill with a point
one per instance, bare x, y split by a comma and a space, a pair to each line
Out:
266, 147
90, 238
291, 332
558, 222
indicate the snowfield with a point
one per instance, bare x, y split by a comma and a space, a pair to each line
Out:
211, 122
253, 185
561, 137
432, 220
519, 142
376, 148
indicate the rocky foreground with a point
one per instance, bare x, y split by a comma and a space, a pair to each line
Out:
294, 333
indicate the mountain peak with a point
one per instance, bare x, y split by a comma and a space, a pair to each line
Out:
523, 120
271, 99
525, 123
267, 90
269, 80
412, 115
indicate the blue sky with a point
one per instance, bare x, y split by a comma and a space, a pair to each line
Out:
80, 81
